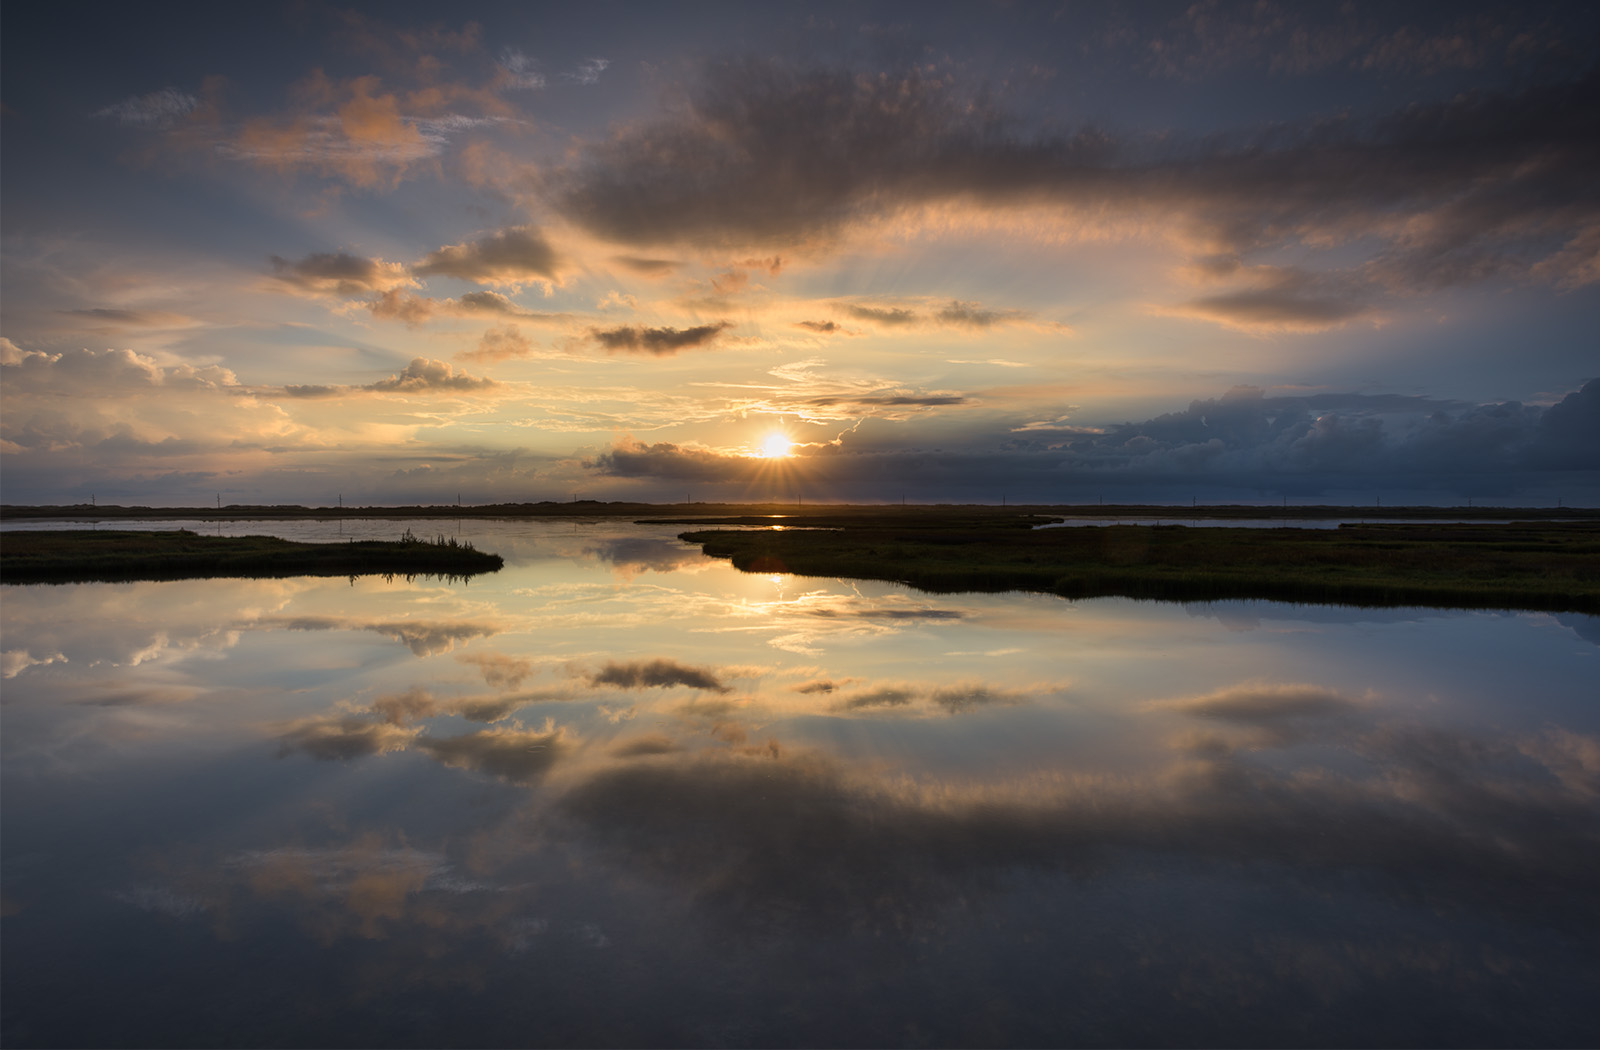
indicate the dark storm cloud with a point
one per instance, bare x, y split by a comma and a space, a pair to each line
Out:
512, 256
766, 153
657, 674
661, 342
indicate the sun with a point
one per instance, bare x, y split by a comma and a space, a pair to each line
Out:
776, 445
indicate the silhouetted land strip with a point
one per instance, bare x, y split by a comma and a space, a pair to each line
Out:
107, 555
1544, 566
725, 513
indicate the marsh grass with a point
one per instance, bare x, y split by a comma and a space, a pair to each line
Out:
108, 555
1553, 567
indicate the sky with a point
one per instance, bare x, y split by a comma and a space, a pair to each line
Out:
1058, 253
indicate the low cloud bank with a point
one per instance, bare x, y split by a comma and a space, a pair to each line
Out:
1242, 443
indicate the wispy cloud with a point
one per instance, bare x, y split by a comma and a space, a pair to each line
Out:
157, 110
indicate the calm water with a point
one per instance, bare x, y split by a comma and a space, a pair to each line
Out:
620, 794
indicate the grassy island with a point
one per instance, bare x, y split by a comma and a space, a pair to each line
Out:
84, 556
1544, 566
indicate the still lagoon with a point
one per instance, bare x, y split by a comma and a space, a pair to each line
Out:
620, 793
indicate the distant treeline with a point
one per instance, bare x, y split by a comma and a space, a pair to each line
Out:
723, 512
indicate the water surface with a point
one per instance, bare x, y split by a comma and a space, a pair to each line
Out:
620, 793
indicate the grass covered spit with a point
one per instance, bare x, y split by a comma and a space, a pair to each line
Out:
1550, 567
109, 555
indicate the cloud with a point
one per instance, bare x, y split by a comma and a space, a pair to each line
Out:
657, 674
116, 318
329, 738
630, 458
820, 685
129, 413
422, 637
972, 315
517, 755
412, 310
425, 376
340, 274
14, 661
1273, 309
766, 153
1285, 300
636, 554
355, 130
889, 317
108, 373
421, 376
1432, 818
1260, 704
588, 71
506, 258
642, 746
646, 267
157, 110
404, 708
889, 400
519, 72
499, 670
886, 696
959, 699
500, 344
821, 327
1241, 444
660, 342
